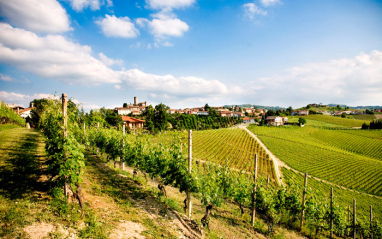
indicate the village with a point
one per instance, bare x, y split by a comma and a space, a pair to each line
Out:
130, 113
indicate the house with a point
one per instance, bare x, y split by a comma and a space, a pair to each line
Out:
25, 113
237, 114
132, 123
134, 109
225, 113
276, 120
303, 112
248, 120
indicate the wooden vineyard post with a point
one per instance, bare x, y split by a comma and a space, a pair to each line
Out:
268, 182
65, 133
331, 213
354, 218
97, 125
254, 193
84, 128
303, 201
371, 222
189, 171
65, 113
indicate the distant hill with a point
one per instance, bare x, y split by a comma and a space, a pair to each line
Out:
357, 107
257, 107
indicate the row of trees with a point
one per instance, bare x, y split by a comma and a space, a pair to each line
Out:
375, 124
157, 119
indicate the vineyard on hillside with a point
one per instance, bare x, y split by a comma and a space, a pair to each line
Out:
343, 197
234, 147
336, 120
338, 156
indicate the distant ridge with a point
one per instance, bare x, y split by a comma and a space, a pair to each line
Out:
257, 106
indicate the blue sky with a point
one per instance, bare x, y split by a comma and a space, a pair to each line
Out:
186, 53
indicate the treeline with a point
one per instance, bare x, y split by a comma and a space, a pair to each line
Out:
375, 124
9, 116
157, 119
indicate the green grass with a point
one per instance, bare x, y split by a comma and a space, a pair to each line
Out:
8, 126
350, 158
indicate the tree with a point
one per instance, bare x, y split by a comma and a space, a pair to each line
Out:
161, 117
343, 115
302, 121
149, 113
207, 107
212, 112
124, 105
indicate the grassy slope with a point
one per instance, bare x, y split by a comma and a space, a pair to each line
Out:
8, 126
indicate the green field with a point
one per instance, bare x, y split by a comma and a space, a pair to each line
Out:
336, 120
233, 146
8, 126
364, 117
350, 158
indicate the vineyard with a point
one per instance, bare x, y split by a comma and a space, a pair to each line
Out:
234, 147
335, 120
211, 180
9, 116
326, 155
343, 197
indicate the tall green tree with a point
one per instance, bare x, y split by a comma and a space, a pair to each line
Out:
161, 117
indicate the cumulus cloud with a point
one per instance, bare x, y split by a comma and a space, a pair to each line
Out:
184, 86
267, 3
42, 16
251, 10
354, 81
117, 27
4, 77
56, 58
108, 61
165, 24
52, 57
21, 99
80, 5
169, 4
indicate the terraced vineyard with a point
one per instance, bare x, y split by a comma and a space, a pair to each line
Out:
350, 158
341, 196
234, 146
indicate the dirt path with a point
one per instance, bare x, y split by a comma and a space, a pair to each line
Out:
280, 164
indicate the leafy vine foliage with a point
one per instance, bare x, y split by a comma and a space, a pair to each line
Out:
66, 159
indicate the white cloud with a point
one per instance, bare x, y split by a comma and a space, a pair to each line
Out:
117, 27
43, 16
163, 25
21, 99
4, 77
108, 61
169, 4
52, 57
354, 81
80, 5
267, 3
251, 10
182, 86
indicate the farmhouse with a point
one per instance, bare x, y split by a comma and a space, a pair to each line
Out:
248, 120
134, 109
132, 123
276, 120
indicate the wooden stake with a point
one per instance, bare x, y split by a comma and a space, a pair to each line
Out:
97, 125
84, 128
268, 182
254, 193
331, 213
64, 113
124, 129
354, 218
303, 201
348, 231
189, 205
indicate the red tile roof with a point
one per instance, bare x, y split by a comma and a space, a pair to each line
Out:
131, 119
